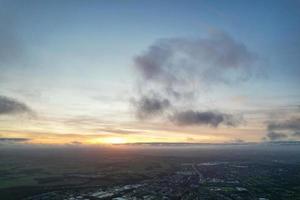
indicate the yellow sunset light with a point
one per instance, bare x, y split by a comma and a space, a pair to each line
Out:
114, 140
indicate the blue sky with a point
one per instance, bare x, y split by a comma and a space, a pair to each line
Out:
69, 60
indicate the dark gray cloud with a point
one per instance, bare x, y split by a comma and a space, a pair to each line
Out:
176, 69
150, 64
2, 139
288, 128
176, 62
291, 124
147, 107
275, 136
296, 134
10, 106
210, 118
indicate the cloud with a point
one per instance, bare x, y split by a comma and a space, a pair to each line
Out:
177, 69
177, 64
117, 131
288, 128
9, 106
275, 136
296, 134
14, 139
291, 124
210, 118
237, 140
147, 107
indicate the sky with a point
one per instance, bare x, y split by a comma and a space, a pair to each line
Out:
102, 72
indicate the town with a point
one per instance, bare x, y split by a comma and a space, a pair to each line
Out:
209, 180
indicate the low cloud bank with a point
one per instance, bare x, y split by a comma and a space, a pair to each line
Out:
14, 140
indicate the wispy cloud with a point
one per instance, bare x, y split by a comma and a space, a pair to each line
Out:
118, 131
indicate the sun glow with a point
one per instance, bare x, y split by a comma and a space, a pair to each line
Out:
114, 140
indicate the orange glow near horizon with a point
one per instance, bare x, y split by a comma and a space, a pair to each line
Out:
109, 140
143, 136
114, 140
